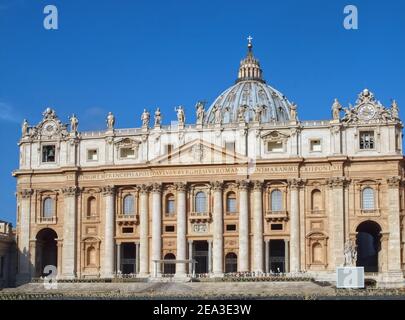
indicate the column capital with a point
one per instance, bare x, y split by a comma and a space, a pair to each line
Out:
394, 182
26, 193
144, 188
217, 185
181, 186
108, 190
296, 183
243, 185
70, 191
338, 182
156, 187
258, 185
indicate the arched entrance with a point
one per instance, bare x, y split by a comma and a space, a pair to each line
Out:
169, 268
46, 250
231, 262
368, 245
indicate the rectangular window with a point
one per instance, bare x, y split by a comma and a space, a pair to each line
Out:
231, 227
127, 230
127, 153
92, 155
230, 146
170, 206
48, 153
366, 140
169, 229
231, 205
316, 146
169, 149
276, 226
275, 146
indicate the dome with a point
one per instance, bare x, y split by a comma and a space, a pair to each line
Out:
250, 98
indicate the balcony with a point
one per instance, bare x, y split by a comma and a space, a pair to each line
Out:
197, 217
369, 212
276, 216
47, 220
127, 219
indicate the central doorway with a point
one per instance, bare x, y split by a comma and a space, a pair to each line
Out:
200, 254
277, 256
128, 261
46, 250
368, 245
169, 268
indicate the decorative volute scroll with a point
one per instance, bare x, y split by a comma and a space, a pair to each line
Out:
26, 193
243, 184
257, 185
394, 181
181, 186
70, 191
144, 188
108, 190
296, 183
338, 182
156, 187
369, 110
217, 186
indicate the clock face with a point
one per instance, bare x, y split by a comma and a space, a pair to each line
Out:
49, 128
367, 111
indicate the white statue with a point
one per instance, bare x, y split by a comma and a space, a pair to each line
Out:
350, 253
217, 115
180, 115
336, 107
293, 112
145, 118
74, 123
24, 128
241, 113
200, 112
110, 121
158, 117
394, 110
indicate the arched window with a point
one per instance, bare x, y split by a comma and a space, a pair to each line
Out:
129, 204
91, 207
91, 256
48, 210
227, 117
200, 202
231, 262
367, 199
170, 204
276, 200
231, 202
316, 200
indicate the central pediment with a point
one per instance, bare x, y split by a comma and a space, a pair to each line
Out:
200, 152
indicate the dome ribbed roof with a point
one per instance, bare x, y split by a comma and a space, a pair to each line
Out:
251, 93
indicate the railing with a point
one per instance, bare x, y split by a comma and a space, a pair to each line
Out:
127, 219
319, 212
91, 218
47, 220
200, 216
276, 215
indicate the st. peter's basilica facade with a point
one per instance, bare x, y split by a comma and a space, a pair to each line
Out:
247, 188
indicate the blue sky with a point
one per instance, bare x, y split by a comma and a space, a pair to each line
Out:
123, 56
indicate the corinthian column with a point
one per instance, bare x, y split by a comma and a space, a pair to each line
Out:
257, 227
243, 264
108, 265
337, 220
69, 233
218, 239
295, 184
23, 275
181, 229
394, 240
157, 225
143, 232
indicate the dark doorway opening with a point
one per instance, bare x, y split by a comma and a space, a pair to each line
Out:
128, 261
46, 250
200, 254
368, 245
231, 262
277, 256
169, 268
